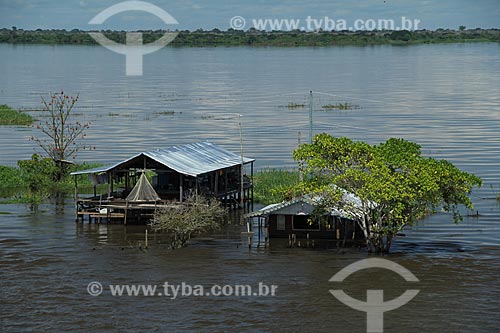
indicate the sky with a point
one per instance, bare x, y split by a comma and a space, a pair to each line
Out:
209, 14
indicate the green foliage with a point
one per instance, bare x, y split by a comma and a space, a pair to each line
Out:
37, 173
396, 185
67, 183
272, 185
9, 116
253, 37
196, 215
11, 182
403, 35
292, 105
10, 177
33, 180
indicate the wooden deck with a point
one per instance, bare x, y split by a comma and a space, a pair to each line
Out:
115, 209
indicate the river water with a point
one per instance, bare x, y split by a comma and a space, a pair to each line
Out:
444, 97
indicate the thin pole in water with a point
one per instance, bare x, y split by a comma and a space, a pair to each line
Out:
310, 117
242, 193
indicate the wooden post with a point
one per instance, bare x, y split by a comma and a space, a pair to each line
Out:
251, 174
126, 211
216, 185
337, 228
146, 240
225, 181
259, 231
181, 195
127, 181
196, 185
109, 184
112, 189
76, 199
266, 231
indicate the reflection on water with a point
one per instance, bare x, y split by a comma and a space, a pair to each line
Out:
442, 96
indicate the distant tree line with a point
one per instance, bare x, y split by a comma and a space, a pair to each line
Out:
253, 37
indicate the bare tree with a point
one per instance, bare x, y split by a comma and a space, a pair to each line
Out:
59, 141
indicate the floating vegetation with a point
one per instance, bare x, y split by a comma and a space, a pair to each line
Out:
217, 117
9, 116
113, 114
167, 113
296, 105
341, 106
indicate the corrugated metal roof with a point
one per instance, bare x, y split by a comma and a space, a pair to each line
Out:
191, 159
354, 205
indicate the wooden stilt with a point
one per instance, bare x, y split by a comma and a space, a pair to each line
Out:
126, 211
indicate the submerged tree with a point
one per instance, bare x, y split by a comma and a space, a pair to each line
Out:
60, 132
395, 185
196, 215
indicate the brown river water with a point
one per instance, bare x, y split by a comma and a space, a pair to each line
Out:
444, 97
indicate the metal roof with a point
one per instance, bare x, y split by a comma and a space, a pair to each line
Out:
353, 205
264, 211
191, 159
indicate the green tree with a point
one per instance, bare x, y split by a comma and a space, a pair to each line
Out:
403, 35
60, 131
395, 184
461, 28
196, 215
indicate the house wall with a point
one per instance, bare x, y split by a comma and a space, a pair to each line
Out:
339, 228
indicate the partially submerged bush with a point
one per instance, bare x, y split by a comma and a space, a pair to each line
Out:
196, 215
37, 175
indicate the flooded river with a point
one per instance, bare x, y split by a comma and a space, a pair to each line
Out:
444, 97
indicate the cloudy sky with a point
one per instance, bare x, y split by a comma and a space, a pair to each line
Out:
208, 14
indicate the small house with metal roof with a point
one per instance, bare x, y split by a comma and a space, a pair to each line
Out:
174, 173
295, 219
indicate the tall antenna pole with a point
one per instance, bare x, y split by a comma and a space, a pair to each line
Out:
310, 117
242, 191
301, 177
